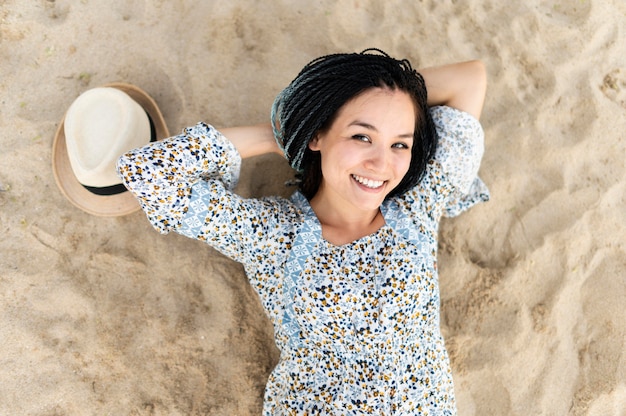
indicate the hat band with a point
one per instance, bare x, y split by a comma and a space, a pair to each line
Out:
119, 188
106, 190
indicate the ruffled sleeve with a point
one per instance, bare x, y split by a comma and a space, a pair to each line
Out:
459, 153
161, 175
185, 184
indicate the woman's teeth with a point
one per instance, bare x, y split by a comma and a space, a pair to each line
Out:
368, 182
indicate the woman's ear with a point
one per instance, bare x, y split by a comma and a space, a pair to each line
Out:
314, 143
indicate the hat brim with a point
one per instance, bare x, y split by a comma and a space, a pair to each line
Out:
123, 203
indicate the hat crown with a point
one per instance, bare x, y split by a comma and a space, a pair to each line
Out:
101, 125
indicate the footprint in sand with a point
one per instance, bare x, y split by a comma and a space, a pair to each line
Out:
55, 11
614, 86
566, 12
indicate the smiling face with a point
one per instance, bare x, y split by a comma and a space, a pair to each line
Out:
366, 151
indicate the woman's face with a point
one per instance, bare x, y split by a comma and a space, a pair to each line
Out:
367, 150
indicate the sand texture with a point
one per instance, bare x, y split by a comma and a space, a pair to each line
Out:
104, 316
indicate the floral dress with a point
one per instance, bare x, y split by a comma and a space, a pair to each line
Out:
357, 324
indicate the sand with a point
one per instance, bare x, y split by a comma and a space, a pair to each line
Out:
104, 316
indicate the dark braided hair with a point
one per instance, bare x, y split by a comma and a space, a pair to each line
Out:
312, 100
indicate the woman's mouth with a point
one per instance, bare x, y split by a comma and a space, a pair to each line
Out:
369, 183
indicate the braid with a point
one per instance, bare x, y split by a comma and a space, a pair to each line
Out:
311, 101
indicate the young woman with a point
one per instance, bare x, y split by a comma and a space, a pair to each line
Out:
346, 269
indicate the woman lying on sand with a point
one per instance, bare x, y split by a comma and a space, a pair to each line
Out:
346, 268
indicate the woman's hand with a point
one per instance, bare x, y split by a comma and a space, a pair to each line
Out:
461, 85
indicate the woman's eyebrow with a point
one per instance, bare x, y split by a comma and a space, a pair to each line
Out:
368, 126
362, 124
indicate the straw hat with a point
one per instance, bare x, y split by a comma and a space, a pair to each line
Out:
101, 125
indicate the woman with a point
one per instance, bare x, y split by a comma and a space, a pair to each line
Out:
346, 269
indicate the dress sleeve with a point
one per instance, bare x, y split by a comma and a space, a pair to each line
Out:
459, 152
162, 174
184, 184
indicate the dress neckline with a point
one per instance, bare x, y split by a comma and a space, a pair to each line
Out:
314, 224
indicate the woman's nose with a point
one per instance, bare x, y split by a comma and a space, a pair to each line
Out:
377, 158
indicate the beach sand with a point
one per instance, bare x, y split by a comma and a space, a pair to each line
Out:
104, 316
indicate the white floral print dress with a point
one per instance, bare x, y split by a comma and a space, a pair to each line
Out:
357, 324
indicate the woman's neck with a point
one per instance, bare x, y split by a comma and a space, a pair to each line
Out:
340, 227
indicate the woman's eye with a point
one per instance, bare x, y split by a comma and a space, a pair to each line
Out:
361, 137
400, 146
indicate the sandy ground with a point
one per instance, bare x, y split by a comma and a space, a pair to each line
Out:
104, 316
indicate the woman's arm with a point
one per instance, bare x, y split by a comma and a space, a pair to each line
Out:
252, 140
460, 85
161, 174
